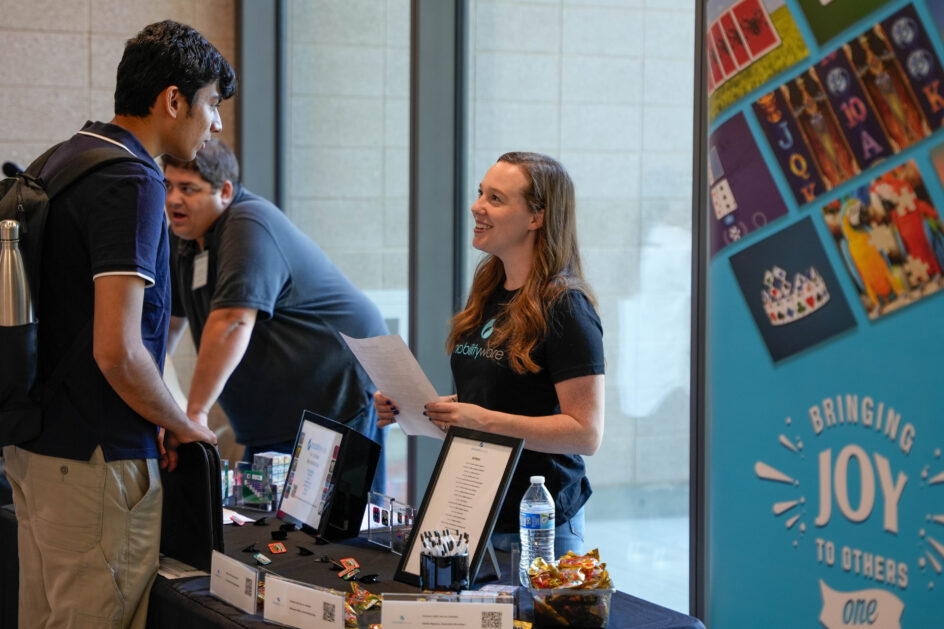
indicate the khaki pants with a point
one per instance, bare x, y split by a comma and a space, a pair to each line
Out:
89, 537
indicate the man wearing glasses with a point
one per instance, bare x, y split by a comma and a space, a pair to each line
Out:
264, 305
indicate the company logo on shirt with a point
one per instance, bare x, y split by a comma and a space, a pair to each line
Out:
474, 350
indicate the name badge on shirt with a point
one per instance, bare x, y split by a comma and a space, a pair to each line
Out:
201, 263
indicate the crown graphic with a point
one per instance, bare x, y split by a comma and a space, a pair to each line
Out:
786, 302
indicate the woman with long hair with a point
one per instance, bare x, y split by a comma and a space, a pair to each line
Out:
527, 350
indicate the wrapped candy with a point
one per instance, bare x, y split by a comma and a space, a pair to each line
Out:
574, 592
260, 595
356, 603
582, 572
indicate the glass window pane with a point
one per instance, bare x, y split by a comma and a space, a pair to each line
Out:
347, 151
606, 88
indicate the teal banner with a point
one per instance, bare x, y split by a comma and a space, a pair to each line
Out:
825, 329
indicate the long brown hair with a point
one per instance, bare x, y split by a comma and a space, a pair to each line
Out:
555, 268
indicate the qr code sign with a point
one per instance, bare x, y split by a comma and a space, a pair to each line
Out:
491, 620
328, 610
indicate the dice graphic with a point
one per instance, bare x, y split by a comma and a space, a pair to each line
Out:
722, 199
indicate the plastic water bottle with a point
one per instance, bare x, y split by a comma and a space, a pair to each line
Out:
535, 527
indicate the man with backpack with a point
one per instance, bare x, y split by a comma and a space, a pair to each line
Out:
87, 488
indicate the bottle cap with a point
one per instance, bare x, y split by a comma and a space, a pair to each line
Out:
9, 230
537, 480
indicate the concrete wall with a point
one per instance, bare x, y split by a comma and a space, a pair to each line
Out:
60, 57
606, 87
59, 61
348, 135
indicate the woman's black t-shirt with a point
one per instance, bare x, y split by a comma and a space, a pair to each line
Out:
572, 347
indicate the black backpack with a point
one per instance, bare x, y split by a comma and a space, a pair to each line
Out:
25, 197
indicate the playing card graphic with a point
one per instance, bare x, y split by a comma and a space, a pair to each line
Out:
714, 63
820, 128
861, 126
743, 195
877, 94
725, 57
792, 152
904, 32
748, 42
791, 290
887, 88
759, 32
732, 33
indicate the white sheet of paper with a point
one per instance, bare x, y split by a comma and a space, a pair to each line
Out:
446, 614
393, 369
171, 568
231, 517
234, 582
298, 605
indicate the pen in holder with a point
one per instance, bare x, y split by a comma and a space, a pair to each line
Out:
450, 572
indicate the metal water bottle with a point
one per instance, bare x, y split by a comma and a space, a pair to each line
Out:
16, 307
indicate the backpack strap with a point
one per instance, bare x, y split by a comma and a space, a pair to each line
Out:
86, 162
36, 166
82, 164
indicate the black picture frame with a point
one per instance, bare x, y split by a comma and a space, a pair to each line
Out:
348, 482
479, 546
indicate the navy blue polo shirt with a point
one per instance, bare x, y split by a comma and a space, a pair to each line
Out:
110, 222
295, 359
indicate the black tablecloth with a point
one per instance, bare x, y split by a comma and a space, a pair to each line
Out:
173, 602
187, 603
